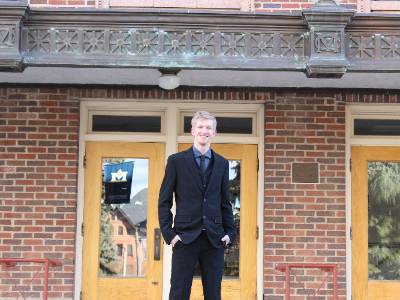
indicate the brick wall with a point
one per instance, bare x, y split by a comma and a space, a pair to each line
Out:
303, 222
58, 3
38, 184
294, 5
259, 5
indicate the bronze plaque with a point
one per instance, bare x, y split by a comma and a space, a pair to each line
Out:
305, 173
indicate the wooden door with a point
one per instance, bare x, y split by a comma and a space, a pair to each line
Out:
122, 256
239, 281
375, 223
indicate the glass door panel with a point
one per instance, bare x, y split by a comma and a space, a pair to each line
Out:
123, 218
383, 220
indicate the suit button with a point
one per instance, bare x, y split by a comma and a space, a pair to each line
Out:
204, 199
204, 217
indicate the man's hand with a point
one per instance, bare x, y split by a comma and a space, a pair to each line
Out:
176, 239
226, 240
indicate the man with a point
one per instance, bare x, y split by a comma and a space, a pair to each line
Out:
203, 224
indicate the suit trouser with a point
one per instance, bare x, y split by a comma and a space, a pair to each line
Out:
184, 259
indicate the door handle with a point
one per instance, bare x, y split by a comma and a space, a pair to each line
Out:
157, 244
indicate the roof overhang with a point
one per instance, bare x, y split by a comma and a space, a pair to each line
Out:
325, 46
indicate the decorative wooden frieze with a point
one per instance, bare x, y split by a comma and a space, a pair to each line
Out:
375, 46
94, 41
67, 41
261, 45
202, 43
327, 42
120, 42
292, 45
361, 47
162, 45
233, 44
200, 40
7, 36
11, 15
146, 43
38, 40
327, 22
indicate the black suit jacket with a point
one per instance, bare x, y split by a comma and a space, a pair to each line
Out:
196, 208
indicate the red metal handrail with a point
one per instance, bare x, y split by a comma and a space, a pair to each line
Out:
285, 268
12, 262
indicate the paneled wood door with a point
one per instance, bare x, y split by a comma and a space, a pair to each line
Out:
375, 223
122, 246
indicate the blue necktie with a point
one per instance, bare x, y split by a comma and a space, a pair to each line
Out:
202, 164
203, 170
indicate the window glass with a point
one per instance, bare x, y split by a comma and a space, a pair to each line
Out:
123, 220
237, 125
377, 127
111, 123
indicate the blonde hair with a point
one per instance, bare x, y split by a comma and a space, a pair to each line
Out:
204, 115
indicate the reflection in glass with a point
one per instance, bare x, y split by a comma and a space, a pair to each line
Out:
384, 221
123, 220
231, 267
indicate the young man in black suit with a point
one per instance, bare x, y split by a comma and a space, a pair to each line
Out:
203, 224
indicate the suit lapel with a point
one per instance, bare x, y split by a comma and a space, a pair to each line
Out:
194, 170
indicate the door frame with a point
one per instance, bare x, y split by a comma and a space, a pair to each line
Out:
171, 113
362, 111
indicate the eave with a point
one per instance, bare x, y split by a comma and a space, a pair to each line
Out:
323, 42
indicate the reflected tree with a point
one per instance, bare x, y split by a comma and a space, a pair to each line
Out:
232, 254
108, 253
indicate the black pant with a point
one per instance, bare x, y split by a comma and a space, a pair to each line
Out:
184, 259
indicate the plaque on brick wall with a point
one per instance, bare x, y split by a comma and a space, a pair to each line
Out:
305, 173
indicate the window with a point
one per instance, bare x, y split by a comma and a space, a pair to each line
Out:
377, 127
121, 123
120, 230
130, 231
227, 123
130, 250
120, 248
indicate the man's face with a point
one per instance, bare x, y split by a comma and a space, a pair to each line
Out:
203, 131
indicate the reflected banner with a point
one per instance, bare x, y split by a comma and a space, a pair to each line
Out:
118, 182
